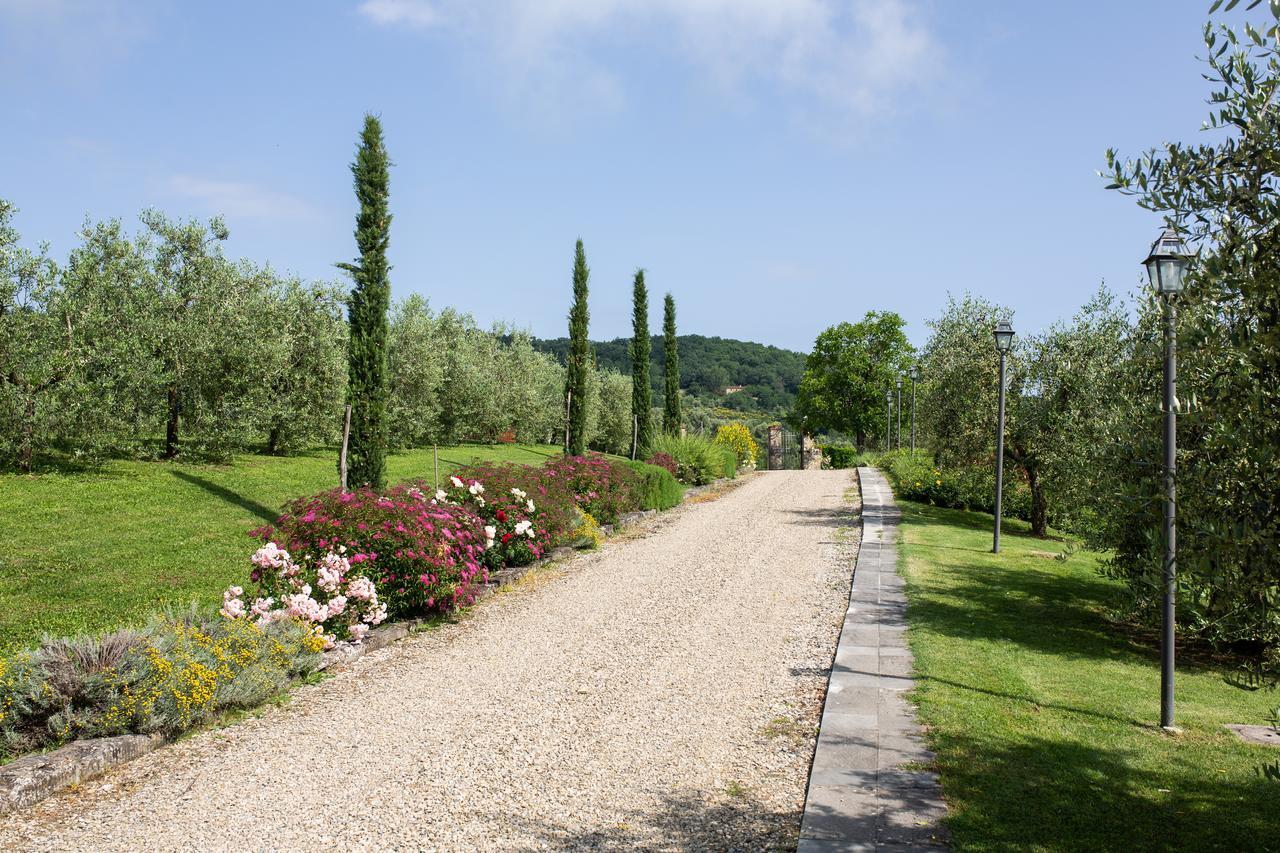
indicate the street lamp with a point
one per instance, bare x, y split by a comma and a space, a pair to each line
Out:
1004, 341
915, 377
1166, 266
888, 419
899, 411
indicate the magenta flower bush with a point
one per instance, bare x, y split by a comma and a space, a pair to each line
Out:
421, 557
599, 487
514, 534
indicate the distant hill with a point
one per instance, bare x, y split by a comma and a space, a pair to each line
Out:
769, 376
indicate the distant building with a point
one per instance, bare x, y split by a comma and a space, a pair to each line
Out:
733, 389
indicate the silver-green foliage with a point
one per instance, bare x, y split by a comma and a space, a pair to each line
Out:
1224, 195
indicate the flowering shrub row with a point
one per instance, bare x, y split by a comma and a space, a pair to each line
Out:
342, 562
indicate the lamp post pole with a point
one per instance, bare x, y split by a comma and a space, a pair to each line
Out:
888, 420
915, 377
1166, 265
1004, 339
899, 411
1170, 512
995, 547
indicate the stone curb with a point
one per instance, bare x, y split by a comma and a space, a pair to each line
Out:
30, 779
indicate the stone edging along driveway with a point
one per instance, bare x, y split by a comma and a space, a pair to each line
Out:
867, 787
30, 779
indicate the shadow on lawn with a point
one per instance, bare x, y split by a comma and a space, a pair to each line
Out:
1045, 794
234, 498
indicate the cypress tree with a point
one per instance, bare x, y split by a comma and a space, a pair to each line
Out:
370, 298
671, 368
579, 355
641, 392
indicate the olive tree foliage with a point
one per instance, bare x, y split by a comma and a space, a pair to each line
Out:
450, 381
847, 373
157, 343
303, 362
37, 344
613, 427
960, 377
1224, 194
1061, 405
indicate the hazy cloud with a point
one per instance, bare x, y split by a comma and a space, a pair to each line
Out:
239, 199
850, 59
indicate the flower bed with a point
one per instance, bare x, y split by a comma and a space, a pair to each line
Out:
179, 671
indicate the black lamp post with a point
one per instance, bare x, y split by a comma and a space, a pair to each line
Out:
1167, 265
899, 411
1004, 341
915, 377
888, 420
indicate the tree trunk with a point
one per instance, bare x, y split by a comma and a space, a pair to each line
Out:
171, 430
1039, 505
861, 440
28, 435
273, 441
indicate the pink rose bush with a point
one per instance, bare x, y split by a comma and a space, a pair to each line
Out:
337, 603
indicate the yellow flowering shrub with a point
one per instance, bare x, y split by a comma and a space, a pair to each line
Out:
587, 533
737, 437
183, 669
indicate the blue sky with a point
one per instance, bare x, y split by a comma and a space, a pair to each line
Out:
779, 165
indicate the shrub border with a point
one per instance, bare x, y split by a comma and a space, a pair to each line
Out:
27, 780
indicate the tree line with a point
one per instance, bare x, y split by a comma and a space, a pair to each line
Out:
769, 375
156, 344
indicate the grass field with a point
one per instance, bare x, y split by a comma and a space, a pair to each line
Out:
89, 551
1044, 714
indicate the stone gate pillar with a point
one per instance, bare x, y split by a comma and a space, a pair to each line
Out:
775, 447
810, 453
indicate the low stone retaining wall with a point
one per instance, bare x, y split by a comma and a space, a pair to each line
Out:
28, 780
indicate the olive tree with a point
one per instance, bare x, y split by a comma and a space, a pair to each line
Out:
1224, 196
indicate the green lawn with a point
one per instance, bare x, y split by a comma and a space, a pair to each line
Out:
1043, 713
85, 552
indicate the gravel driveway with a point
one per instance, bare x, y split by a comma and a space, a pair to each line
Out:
660, 693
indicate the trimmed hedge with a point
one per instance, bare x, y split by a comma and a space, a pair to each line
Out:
658, 488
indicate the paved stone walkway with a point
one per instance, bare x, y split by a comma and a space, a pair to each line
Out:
868, 789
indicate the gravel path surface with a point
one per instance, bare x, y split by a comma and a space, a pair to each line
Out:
661, 693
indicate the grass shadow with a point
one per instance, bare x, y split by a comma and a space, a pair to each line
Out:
234, 498
1100, 800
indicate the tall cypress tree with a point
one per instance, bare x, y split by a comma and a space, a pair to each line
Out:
370, 298
671, 368
579, 355
641, 392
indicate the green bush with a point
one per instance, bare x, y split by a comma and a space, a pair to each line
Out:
658, 488
915, 477
840, 456
699, 460
728, 462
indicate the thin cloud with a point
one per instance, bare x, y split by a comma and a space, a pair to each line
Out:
239, 199
849, 59
413, 13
